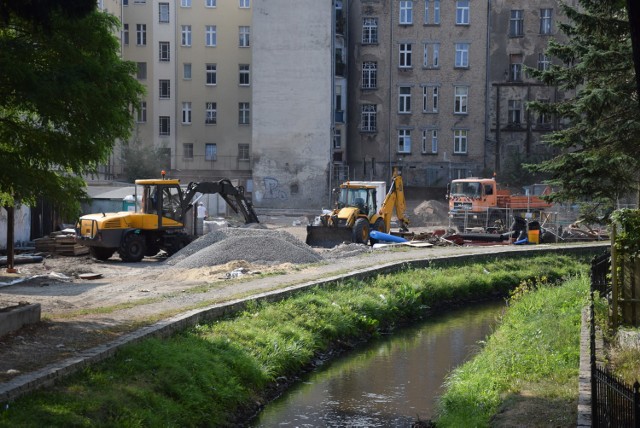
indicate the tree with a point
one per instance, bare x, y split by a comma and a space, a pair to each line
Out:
143, 162
65, 98
599, 143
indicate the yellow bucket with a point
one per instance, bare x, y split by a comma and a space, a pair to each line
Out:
534, 237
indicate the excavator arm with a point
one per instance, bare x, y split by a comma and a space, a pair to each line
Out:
395, 199
233, 196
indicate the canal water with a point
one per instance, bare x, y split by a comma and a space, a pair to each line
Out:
390, 382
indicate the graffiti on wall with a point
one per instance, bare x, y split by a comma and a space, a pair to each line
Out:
272, 190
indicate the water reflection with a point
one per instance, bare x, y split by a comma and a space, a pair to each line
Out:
390, 382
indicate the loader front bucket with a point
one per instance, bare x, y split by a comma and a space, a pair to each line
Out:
328, 236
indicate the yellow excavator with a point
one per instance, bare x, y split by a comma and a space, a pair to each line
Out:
359, 210
160, 223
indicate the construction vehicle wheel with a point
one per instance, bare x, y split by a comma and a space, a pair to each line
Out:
100, 253
133, 248
361, 231
379, 226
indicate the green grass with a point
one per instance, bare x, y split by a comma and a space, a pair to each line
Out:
531, 361
210, 374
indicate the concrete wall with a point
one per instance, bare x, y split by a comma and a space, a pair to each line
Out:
292, 82
22, 232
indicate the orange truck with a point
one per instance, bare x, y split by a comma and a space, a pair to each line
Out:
479, 202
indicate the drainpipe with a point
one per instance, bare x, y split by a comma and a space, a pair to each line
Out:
391, 50
332, 119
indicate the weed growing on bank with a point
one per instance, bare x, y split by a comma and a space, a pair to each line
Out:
218, 374
530, 363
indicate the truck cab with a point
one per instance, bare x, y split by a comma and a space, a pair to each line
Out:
472, 194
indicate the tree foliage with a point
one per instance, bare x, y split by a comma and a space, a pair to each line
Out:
141, 161
599, 145
65, 98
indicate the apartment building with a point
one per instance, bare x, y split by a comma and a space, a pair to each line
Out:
418, 93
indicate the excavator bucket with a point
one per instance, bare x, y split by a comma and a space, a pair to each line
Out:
328, 236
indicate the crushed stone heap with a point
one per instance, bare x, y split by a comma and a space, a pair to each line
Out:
260, 246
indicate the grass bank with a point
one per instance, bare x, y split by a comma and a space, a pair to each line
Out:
528, 370
218, 374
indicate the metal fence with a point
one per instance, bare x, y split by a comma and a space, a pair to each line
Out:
613, 402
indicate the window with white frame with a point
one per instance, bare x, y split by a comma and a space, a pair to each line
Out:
405, 55
461, 99
164, 124
141, 34
516, 23
404, 141
432, 12
406, 13
210, 3
431, 55
514, 112
243, 152
369, 31
210, 151
185, 3
187, 150
164, 91
546, 16
430, 141
404, 99
163, 12
186, 71
210, 35
460, 141
164, 51
141, 112
186, 113
125, 34
462, 55
368, 118
212, 74
515, 67
244, 77
244, 36
245, 4
243, 113
185, 33
543, 119
430, 99
142, 70
462, 12
337, 139
211, 113
369, 75
543, 62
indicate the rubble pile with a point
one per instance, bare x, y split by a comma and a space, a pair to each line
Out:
432, 213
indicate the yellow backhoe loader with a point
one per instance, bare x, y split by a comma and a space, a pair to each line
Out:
359, 209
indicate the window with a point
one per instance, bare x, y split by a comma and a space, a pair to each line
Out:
186, 113
125, 2
430, 99
244, 4
430, 141
461, 98
141, 34
514, 111
165, 125
404, 99
404, 141
244, 37
186, 71
163, 12
187, 150
142, 70
369, 75
544, 119
431, 55
165, 89
460, 141
210, 152
243, 152
545, 21
212, 74
141, 112
125, 34
244, 78
368, 118
243, 113
337, 139
515, 67
210, 36
462, 12
462, 55
186, 35
543, 62
369, 31
405, 55
432, 12
185, 3
163, 51
516, 23
211, 117
210, 3
406, 13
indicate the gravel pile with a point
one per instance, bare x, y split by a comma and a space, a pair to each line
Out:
261, 246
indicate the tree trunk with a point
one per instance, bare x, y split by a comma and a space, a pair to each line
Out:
10, 238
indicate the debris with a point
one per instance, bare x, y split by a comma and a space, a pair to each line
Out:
90, 276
